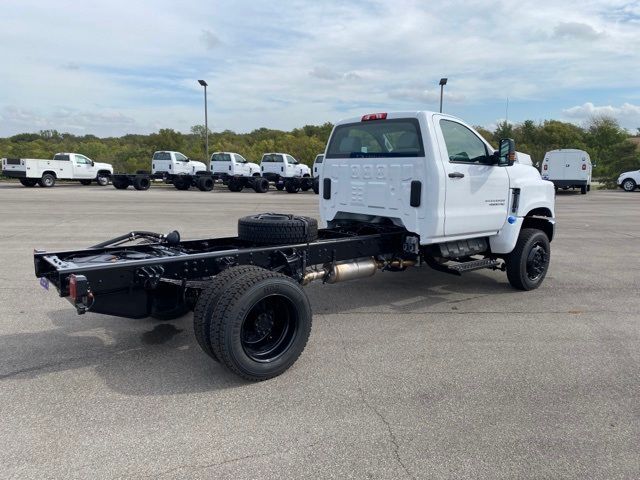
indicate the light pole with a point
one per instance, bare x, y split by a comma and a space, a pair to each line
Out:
443, 82
206, 122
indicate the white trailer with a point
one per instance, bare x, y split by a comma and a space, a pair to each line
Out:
568, 168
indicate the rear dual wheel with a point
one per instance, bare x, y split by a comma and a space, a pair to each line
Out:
254, 321
141, 183
261, 185
29, 182
205, 184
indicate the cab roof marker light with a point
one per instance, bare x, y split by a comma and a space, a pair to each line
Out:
374, 116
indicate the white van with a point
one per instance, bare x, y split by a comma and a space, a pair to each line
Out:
568, 168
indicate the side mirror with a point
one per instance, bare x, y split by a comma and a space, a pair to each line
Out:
507, 152
93, 164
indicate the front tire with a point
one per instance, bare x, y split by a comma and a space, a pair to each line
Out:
260, 325
528, 263
629, 185
102, 180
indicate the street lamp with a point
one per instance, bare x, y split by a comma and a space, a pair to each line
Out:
443, 82
206, 123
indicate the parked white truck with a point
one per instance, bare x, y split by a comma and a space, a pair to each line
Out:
398, 191
236, 172
63, 166
286, 172
568, 168
171, 167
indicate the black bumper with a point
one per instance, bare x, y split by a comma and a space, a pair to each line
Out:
14, 174
569, 183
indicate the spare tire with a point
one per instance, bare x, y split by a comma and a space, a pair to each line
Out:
277, 229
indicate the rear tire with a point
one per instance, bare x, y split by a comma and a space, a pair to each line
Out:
528, 263
629, 185
205, 184
260, 325
141, 183
182, 183
235, 185
47, 180
207, 301
261, 185
277, 229
292, 187
583, 190
121, 183
28, 182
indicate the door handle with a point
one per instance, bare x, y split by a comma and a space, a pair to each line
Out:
456, 175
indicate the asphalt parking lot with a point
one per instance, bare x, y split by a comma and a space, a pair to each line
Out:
411, 375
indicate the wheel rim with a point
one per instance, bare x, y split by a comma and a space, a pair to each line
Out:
536, 262
48, 181
628, 185
103, 181
269, 328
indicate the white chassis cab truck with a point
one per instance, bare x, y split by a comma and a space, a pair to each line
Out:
236, 172
63, 166
172, 167
568, 168
286, 172
398, 191
317, 168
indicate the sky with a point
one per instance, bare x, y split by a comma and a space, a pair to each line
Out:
115, 67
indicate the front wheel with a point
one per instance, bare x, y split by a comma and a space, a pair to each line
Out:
528, 263
629, 185
102, 180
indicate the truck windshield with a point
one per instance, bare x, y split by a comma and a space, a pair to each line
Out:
220, 157
377, 138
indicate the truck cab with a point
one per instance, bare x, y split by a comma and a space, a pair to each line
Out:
317, 165
434, 175
232, 165
63, 166
175, 163
275, 166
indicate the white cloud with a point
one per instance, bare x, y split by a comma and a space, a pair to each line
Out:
628, 115
293, 62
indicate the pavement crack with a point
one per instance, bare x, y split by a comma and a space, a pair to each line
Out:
392, 437
194, 467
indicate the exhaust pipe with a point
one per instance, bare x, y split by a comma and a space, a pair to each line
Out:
352, 270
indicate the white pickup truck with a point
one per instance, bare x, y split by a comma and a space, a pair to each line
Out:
175, 163
236, 172
286, 172
63, 166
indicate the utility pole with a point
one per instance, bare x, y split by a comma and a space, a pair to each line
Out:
443, 82
206, 122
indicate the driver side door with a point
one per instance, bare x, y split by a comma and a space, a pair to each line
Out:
476, 189
82, 168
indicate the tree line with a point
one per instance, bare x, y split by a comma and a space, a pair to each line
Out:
611, 147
